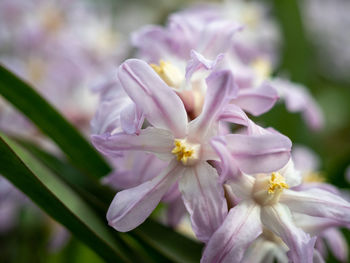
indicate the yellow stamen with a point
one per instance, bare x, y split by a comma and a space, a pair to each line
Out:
277, 182
169, 73
184, 151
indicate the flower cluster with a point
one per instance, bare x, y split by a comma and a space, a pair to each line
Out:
166, 121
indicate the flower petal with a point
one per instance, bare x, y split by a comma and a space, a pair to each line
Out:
220, 85
259, 153
298, 99
313, 225
131, 119
107, 117
176, 211
151, 139
264, 251
229, 168
131, 207
134, 168
160, 104
278, 219
336, 243
317, 202
152, 42
216, 37
198, 62
204, 199
257, 101
317, 257
228, 244
234, 114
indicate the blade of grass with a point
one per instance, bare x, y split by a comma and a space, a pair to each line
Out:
52, 123
58, 200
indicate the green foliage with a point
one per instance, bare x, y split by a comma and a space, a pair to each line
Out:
50, 122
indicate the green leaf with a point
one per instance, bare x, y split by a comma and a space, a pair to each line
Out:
50, 122
150, 237
175, 246
88, 187
58, 200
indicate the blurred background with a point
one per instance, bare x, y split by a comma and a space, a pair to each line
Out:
77, 45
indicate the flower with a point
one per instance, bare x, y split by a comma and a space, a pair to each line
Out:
268, 201
184, 145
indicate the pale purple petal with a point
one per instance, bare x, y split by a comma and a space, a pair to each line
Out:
336, 243
131, 207
292, 176
263, 251
313, 225
217, 37
220, 85
242, 186
131, 119
228, 244
317, 202
204, 199
278, 219
257, 101
259, 153
134, 168
321, 248
229, 168
116, 112
153, 42
107, 117
324, 186
298, 99
305, 159
234, 114
317, 257
198, 62
159, 103
176, 211
154, 140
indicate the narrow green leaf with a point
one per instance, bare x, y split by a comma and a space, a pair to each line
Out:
172, 244
50, 122
149, 237
58, 200
87, 186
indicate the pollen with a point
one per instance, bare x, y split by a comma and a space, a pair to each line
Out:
169, 73
277, 182
185, 151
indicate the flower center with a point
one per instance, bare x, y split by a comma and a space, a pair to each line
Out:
277, 183
186, 152
169, 73
268, 189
